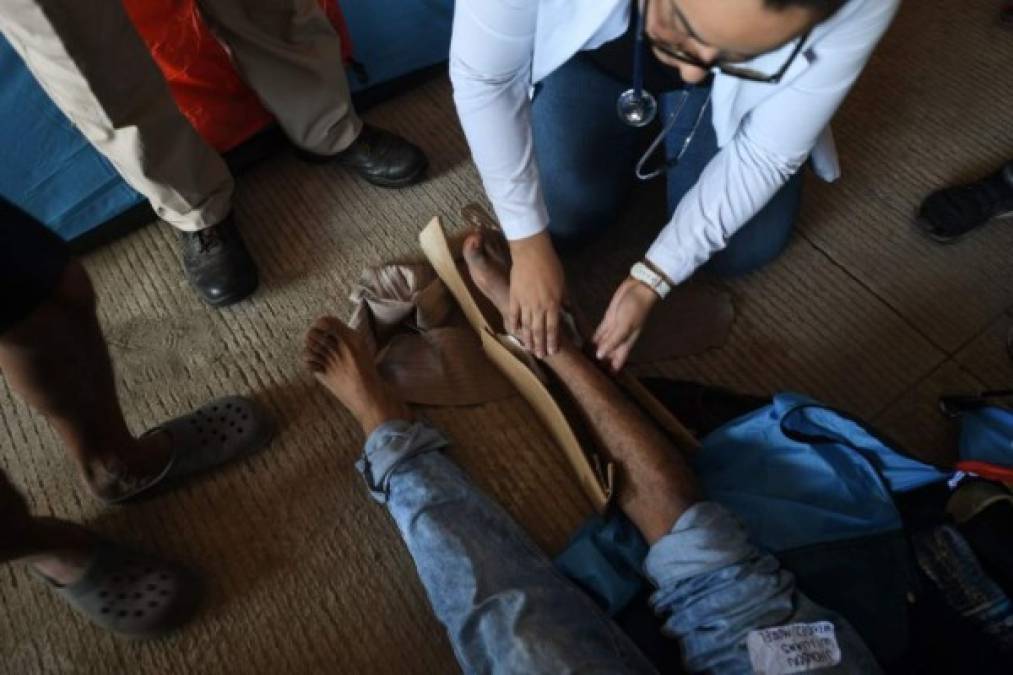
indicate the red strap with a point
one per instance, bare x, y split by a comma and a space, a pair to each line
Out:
986, 470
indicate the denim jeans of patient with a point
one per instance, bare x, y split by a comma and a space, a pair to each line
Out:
586, 157
507, 610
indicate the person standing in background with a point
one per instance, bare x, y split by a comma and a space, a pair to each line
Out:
92, 63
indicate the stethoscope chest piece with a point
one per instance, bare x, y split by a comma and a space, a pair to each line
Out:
637, 108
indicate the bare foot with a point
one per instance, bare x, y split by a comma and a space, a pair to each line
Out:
488, 265
335, 355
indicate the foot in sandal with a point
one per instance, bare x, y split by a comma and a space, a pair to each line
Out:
128, 592
224, 430
131, 593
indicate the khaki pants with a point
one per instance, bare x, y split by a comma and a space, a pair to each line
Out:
92, 63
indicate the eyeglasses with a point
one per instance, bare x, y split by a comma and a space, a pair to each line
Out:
727, 67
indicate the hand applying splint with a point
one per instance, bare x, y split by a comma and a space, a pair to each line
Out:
623, 321
537, 287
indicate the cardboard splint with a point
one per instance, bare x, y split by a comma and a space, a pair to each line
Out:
596, 479
595, 476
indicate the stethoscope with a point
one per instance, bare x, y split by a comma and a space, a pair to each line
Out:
638, 107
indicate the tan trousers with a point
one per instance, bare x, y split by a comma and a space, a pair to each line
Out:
92, 63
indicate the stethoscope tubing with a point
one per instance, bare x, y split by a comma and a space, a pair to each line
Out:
645, 105
638, 50
673, 117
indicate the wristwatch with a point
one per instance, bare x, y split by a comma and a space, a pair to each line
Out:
651, 279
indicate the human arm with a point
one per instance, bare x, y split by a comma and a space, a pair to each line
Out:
490, 67
771, 143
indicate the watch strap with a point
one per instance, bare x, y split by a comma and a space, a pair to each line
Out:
651, 279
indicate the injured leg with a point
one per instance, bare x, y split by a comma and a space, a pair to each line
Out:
657, 485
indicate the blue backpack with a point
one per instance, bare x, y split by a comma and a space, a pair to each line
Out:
826, 495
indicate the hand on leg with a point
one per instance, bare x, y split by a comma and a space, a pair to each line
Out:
657, 485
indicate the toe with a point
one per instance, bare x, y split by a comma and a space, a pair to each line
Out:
315, 336
321, 341
472, 244
314, 350
313, 359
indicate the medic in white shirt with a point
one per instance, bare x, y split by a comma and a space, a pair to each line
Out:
762, 80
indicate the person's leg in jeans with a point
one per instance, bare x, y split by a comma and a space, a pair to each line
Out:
290, 54
716, 590
767, 234
585, 153
505, 607
91, 62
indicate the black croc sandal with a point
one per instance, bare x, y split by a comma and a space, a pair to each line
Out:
133, 594
222, 431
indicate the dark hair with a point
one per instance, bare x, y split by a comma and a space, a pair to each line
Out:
822, 7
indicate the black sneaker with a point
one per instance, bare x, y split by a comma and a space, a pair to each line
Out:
217, 264
381, 157
948, 214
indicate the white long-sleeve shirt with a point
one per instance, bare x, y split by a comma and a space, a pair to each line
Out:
765, 132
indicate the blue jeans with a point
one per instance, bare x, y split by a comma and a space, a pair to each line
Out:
586, 158
508, 610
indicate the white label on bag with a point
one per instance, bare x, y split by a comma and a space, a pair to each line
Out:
795, 648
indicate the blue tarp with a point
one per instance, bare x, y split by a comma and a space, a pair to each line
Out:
51, 171
395, 37
48, 168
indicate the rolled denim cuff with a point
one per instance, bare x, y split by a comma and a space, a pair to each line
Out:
706, 538
389, 446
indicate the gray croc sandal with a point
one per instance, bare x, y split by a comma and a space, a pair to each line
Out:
224, 430
131, 593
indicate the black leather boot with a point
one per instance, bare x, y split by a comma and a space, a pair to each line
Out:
217, 264
381, 157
